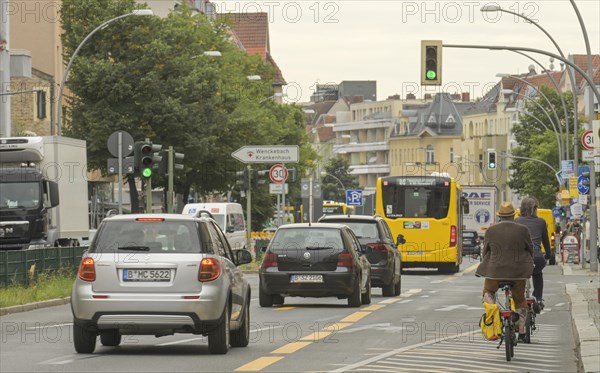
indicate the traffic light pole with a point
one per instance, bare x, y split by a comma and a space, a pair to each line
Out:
248, 213
170, 186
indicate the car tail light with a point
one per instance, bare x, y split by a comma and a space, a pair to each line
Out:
210, 269
87, 270
477, 241
453, 235
270, 260
377, 246
344, 260
552, 237
150, 219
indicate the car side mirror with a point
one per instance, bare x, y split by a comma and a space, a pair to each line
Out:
242, 257
465, 205
400, 240
230, 229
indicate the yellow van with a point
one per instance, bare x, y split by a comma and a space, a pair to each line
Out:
547, 215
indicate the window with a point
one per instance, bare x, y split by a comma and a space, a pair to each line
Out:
430, 154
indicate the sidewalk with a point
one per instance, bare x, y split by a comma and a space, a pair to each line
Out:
582, 288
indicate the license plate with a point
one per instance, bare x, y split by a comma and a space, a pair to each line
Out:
306, 278
415, 253
148, 275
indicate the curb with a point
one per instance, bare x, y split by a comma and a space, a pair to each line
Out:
34, 306
587, 338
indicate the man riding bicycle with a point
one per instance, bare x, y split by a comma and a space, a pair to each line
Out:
539, 235
507, 255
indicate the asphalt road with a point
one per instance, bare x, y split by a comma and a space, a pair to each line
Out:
431, 327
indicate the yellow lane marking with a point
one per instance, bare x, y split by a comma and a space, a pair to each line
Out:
235, 315
354, 317
471, 268
291, 347
284, 308
337, 326
373, 307
259, 364
316, 336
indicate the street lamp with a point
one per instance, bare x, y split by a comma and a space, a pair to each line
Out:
136, 12
540, 106
558, 139
497, 8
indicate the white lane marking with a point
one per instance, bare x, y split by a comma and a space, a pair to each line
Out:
406, 300
559, 304
458, 307
59, 360
49, 326
393, 352
180, 341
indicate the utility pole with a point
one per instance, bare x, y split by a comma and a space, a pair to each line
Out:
5, 124
248, 213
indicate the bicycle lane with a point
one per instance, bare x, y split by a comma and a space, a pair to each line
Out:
552, 348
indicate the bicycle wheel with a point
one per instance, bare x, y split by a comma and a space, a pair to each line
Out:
508, 339
528, 326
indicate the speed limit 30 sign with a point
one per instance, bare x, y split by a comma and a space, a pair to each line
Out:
278, 173
588, 140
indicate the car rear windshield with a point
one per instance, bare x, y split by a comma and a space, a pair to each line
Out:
307, 238
147, 236
469, 234
362, 229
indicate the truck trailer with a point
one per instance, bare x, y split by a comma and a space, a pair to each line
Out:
483, 201
43, 192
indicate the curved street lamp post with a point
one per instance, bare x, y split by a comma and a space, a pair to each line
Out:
136, 12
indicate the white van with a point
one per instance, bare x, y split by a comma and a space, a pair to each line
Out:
229, 216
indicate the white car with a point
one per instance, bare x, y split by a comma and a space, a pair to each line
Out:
160, 274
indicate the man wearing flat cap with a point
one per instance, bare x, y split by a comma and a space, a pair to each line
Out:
507, 255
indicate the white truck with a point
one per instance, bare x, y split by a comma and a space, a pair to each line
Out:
483, 200
43, 192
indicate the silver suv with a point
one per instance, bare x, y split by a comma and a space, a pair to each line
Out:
160, 274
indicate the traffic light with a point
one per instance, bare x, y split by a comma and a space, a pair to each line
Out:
293, 173
243, 179
492, 164
431, 62
563, 212
145, 157
258, 177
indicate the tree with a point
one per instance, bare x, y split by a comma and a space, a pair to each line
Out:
148, 76
330, 186
531, 178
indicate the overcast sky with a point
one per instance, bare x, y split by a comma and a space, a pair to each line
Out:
331, 41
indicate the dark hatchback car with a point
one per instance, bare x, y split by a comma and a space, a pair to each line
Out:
379, 247
471, 243
314, 260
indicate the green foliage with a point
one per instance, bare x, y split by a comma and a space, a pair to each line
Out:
330, 186
540, 141
148, 76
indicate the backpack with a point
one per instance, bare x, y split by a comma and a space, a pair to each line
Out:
490, 322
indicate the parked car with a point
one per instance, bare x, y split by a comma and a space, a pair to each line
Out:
314, 260
471, 244
160, 274
379, 247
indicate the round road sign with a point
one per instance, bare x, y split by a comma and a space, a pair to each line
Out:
278, 173
588, 140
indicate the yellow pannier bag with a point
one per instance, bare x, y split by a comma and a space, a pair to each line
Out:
490, 322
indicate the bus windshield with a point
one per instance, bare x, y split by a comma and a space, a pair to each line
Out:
416, 201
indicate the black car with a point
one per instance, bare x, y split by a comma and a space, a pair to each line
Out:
471, 243
381, 251
314, 260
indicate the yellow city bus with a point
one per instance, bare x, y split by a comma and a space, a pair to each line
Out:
337, 208
427, 213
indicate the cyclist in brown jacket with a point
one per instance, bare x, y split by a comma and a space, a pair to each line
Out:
507, 255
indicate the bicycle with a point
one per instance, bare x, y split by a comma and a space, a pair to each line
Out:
530, 318
509, 320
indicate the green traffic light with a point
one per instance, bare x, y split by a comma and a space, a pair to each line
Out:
431, 75
147, 172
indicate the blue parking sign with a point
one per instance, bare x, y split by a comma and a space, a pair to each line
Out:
354, 198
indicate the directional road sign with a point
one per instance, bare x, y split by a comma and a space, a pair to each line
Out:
267, 154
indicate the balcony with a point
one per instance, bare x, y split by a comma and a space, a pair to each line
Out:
369, 169
362, 147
